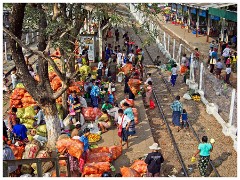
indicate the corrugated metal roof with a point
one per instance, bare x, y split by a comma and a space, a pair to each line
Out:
205, 6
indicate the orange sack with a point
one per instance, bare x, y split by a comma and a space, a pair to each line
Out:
116, 151
100, 149
96, 168
99, 157
129, 172
140, 166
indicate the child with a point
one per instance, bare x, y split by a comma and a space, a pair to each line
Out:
185, 119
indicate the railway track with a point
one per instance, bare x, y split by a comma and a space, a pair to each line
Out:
184, 143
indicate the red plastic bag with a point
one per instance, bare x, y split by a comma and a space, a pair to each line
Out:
129, 172
140, 166
116, 151
99, 157
152, 104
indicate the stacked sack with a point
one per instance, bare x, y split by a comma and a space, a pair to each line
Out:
90, 113
45, 165
99, 159
134, 85
127, 68
15, 98
26, 116
27, 100
84, 71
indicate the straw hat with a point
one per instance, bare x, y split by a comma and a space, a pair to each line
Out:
154, 146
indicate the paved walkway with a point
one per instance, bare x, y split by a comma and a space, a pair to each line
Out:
192, 41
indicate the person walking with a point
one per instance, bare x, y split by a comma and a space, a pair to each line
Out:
212, 63
117, 35
228, 74
124, 123
112, 69
154, 161
74, 102
219, 66
129, 113
226, 53
185, 119
174, 74
204, 150
177, 109
148, 91
14, 79
234, 62
99, 70
95, 93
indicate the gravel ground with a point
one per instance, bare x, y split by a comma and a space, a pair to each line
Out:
224, 157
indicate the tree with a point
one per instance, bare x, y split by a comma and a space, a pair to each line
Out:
58, 26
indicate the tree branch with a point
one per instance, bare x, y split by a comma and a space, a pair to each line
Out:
65, 86
39, 53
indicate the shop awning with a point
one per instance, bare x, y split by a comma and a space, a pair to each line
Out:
229, 15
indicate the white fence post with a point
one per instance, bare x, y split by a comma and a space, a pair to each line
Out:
231, 107
201, 74
5, 46
164, 40
168, 43
174, 44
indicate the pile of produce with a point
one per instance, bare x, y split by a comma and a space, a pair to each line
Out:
26, 116
94, 138
140, 166
73, 146
134, 85
15, 98
84, 71
129, 172
96, 168
127, 68
196, 97
90, 113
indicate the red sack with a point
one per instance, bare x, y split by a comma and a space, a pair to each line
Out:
100, 149
140, 166
183, 69
52, 75
89, 169
129, 172
99, 157
127, 68
116, 151
99, 168
93, 175
152, 104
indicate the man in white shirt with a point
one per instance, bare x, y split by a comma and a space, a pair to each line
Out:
83, 102
228, 73
119, 58
131, 56
149, 78
14, 79
125, 122
100, 66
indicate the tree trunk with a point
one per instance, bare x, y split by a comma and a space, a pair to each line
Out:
52, 124
64, 104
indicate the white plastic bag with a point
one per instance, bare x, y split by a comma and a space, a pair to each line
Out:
187, 96
169, 79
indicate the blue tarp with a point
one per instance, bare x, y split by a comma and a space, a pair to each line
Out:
193, 10
202, 13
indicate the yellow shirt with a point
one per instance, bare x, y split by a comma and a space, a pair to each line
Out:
234, 59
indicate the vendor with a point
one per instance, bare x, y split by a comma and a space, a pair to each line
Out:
106, 106
39, 117
77, 131
104, 121
84, 139
20, 131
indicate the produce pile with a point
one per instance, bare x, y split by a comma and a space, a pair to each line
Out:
90, 114
134, 85
196, 97
137, 169
99, 160
94, 138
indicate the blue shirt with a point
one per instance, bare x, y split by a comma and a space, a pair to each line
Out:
129, 113
84, 140
95, 91
20, 130
204, 149
214, 55
184, 116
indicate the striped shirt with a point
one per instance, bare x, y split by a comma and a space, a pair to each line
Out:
177, 106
